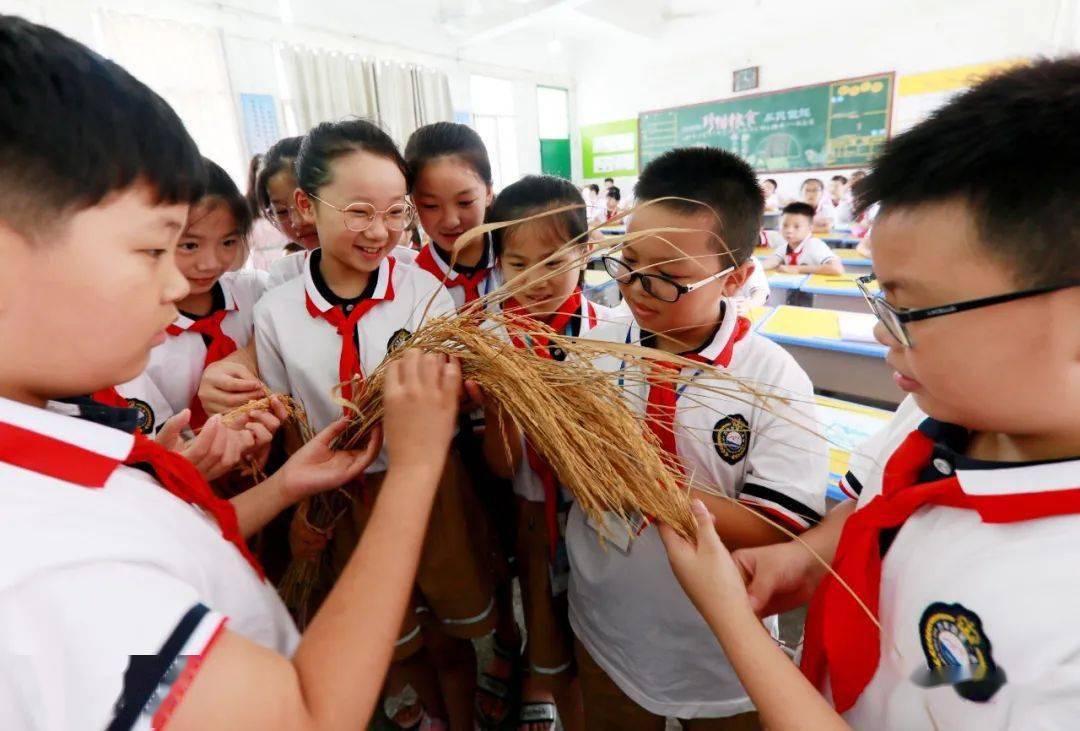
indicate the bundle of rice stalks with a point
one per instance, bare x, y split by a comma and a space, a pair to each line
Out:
570, 412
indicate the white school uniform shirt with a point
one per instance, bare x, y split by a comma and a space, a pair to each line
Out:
812, 251
97, 569
299, 353
1014, 584
863, 479
627, 609
527, 484
171, 378
756, 287
292, 266
825, 214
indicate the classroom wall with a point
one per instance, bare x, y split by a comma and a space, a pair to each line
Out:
251, 27
808, 43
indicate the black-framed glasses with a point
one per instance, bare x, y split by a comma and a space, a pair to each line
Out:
895, 320
359, 216
657, 285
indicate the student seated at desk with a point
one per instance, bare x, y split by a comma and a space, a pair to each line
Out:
802, 253
772, 200
812, 192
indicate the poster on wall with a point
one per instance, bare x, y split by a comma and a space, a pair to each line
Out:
832, 125
259, 112
609, 150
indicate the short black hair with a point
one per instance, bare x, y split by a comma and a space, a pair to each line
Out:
812, 180
719, 179
1007, 148
773, 181
75, 127
443, 139
841, 178
798, 208
610, 180
594, 188
536, 194
281, 156
222, 187
330, 140
614, 192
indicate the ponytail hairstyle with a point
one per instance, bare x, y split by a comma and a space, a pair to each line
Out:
535, 194
444, 139
280, 156
328, 141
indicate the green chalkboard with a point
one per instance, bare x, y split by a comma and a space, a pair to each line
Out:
555, 158
833, 125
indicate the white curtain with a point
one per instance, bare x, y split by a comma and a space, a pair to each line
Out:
185, 64
328, 86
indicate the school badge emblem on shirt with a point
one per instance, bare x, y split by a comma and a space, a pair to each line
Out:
731, 437
397, 340
958, 653
145, 421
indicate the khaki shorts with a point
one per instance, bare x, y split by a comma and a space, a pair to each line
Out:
453, 591
550, 649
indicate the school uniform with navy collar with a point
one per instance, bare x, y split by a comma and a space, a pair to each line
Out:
626, 607
543, 504
308, 341
114, 585
811, 251
465, 284
970, 567
301, 351
170, 382
292, 265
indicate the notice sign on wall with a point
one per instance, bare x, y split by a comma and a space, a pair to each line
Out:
609, 150
260, 122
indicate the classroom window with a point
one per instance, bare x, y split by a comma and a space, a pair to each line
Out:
495, 120
553, 112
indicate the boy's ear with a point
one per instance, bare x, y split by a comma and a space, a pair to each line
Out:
737, 278
304, 206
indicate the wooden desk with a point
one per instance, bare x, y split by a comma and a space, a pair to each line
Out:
835, 292
784, 288
812, 336
854, 262
845, 426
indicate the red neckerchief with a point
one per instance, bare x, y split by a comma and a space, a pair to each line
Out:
349, 361
220, 346
560, 319
570, 308
71, 463
841, 643
110, 397
662, 400
793, 256
450, 278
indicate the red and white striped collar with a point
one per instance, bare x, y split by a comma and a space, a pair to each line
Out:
384, 288
983, 478
183, 322
798, 249
52, 442
718, 350
443, 266
588, 319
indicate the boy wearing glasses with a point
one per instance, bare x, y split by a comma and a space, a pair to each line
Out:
964, 541
644, 652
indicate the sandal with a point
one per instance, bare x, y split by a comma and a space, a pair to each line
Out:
537, 712
501, 690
